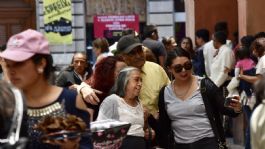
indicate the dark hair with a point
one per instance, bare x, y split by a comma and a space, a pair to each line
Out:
242, 53
179, 52
203, 33
247, 40
121, 82
220, 37
101, 43
259, 35
3, 47
167, 41
149, 30
191, 50
259, 46
103, 77
49, 63
221, 26
7, 106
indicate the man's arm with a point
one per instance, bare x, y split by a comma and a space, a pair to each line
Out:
250, 79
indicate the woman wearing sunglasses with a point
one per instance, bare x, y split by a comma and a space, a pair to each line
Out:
190, 107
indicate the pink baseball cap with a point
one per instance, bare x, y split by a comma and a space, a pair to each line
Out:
24, 45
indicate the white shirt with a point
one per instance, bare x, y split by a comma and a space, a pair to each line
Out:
260, 68
114, 107
224, 59
257, 127
208, 53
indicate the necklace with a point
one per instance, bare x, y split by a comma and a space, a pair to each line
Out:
184, 92
131, 102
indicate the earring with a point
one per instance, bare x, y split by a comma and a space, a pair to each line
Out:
40, 70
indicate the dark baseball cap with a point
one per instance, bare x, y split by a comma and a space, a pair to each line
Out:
127, 43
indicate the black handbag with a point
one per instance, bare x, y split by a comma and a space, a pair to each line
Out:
205, 92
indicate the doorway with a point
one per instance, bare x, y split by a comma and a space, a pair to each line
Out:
16, 16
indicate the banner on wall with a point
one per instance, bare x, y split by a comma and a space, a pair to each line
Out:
112, 25
58, 21
107, 7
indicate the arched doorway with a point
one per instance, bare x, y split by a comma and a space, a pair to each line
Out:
16, 16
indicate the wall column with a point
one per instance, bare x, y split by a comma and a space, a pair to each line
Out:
190, 19
161, 14
242, 18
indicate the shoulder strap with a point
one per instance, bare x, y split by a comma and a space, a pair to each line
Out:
213, 116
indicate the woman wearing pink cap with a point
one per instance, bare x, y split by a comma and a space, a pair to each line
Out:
29, 64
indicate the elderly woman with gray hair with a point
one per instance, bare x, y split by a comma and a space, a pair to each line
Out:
123, 105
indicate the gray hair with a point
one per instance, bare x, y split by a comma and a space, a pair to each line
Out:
122, 81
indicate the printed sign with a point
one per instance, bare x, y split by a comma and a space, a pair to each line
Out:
106, 7
111, 25
58, 21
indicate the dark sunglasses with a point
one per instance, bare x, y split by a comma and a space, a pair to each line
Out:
178, 68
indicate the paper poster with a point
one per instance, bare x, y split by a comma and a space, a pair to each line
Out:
58, 21
112, 25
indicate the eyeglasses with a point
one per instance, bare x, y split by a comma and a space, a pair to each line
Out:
178, 68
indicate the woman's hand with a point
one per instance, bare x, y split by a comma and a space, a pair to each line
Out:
88, 94
149, 134
236, 104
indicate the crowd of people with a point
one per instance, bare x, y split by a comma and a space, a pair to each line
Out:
171, 93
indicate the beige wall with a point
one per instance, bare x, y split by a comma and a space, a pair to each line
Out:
251, 17
207, 13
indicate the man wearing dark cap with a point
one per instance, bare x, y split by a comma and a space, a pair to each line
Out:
151, 42
153, 76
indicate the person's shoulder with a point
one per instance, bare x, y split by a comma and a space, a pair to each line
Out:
67, 93
208, 44
262, 58
226, 49
168, 87
149, 41
258, 115
111, 98
66, 72
199, 78
146, 41
151, 66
